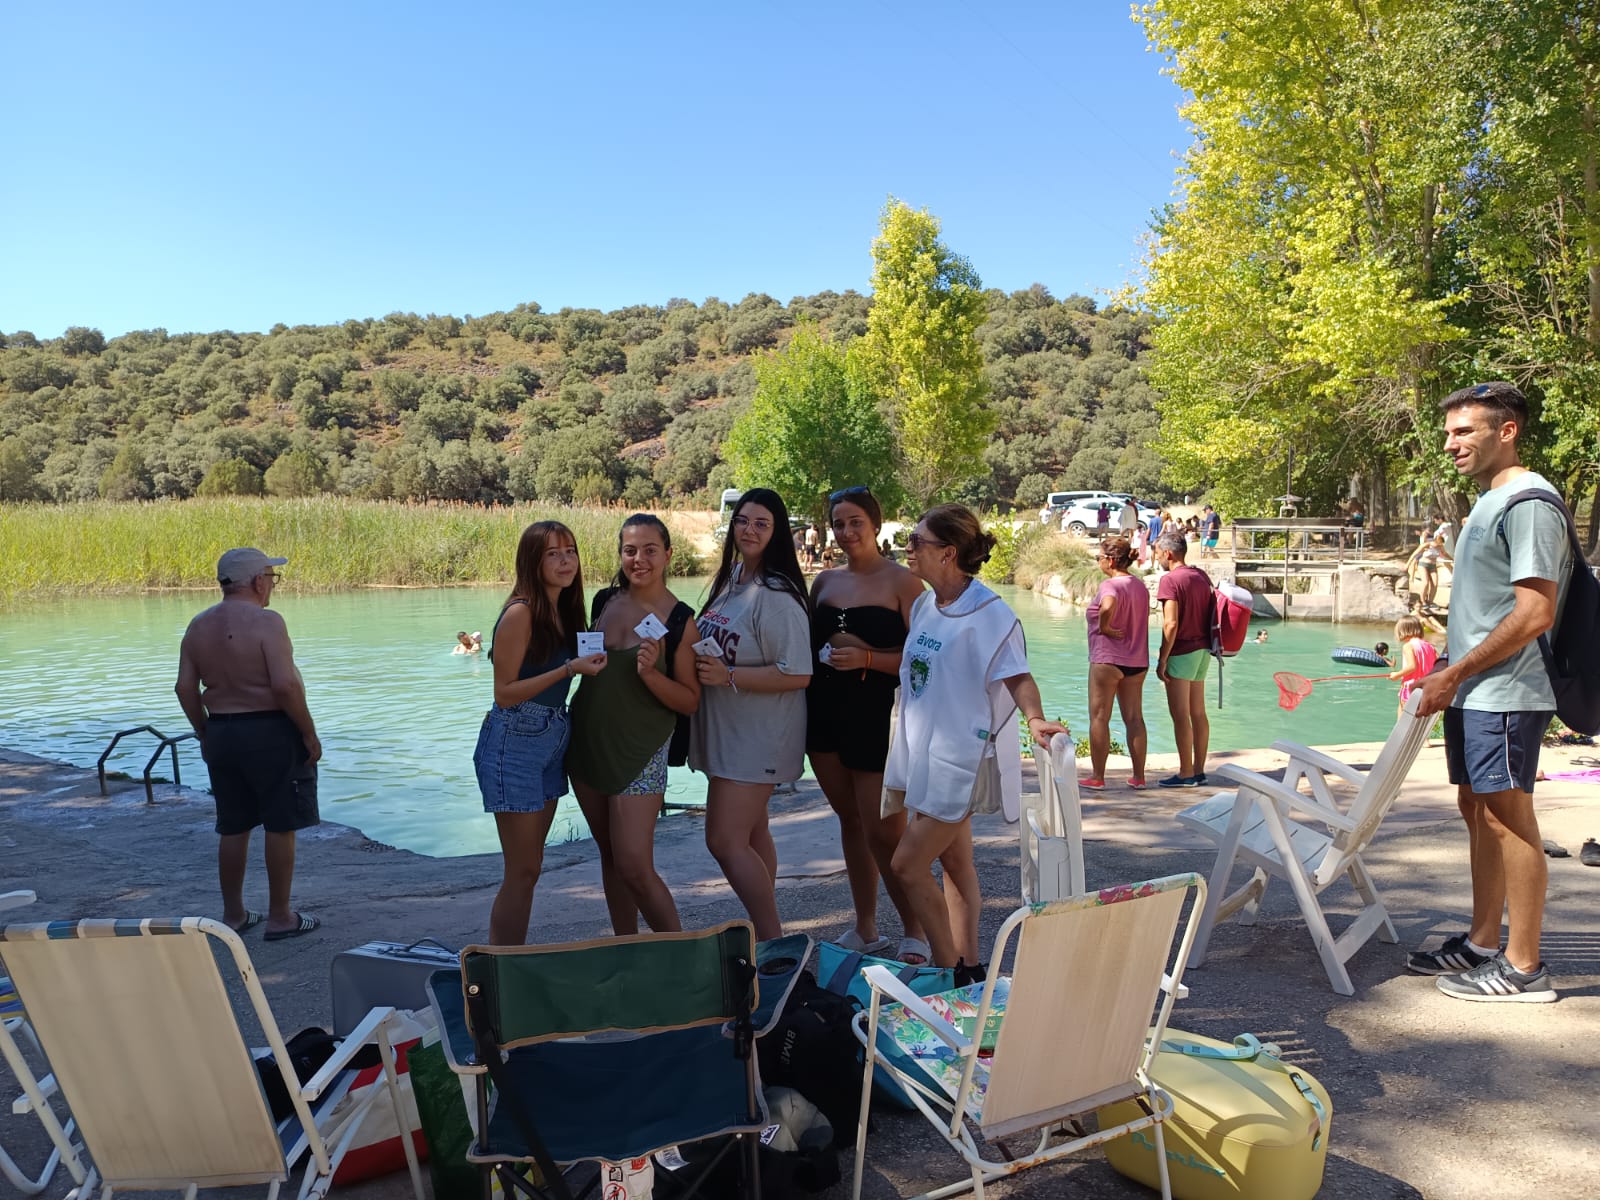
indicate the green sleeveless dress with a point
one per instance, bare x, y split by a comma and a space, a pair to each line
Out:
617, 724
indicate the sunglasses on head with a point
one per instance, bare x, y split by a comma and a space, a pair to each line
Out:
860, 489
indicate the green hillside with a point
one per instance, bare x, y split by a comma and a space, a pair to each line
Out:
577, 405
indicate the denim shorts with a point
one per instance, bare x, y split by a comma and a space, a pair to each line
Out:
1493, 751
520, 756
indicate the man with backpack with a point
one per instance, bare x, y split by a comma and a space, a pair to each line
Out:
1186, 607
1512, 565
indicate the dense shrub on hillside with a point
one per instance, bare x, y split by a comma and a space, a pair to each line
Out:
630, 405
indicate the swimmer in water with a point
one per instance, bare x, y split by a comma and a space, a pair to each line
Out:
467, 643
1261, 638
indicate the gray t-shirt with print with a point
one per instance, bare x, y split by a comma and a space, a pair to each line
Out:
1489, 560
753, 737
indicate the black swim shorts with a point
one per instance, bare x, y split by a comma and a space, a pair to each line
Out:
259, 773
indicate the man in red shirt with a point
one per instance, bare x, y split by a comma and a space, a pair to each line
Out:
1185, 596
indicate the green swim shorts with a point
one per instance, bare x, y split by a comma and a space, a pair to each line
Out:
1192, 666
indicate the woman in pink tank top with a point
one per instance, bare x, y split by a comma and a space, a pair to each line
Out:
1119, 657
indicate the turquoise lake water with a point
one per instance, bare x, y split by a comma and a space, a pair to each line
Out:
399, 714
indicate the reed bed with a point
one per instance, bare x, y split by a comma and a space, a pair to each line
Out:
1059, 554
331, 543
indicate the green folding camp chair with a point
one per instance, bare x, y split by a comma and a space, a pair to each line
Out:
617, 1049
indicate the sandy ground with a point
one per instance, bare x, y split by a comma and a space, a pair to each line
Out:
1432, 1097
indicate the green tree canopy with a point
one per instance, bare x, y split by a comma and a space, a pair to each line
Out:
814, 426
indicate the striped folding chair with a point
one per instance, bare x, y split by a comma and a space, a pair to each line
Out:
135, 1019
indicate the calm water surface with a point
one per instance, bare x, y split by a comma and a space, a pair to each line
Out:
398, 713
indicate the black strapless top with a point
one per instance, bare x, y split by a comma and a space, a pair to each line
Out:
879, 627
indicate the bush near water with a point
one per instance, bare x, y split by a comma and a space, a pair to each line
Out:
330, 542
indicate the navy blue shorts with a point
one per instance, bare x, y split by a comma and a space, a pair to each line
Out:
1491, 751
520, 756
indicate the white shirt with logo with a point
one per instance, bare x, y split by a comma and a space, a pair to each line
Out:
954, 711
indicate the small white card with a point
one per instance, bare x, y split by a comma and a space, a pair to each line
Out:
825, 655
650, 628
708, 648
591, 643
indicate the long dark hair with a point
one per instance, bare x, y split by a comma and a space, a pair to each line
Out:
556, 625
780, 568
620, 579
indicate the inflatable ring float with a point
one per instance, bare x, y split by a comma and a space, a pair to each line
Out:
1358, 656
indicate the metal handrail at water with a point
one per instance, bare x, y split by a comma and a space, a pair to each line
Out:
165, 743
1307, 542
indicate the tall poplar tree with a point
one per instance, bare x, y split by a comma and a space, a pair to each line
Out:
922, 349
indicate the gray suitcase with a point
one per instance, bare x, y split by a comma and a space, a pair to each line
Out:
384, 973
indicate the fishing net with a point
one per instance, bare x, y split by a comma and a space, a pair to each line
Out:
1292, 689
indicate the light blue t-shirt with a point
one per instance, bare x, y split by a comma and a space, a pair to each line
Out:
1487, 564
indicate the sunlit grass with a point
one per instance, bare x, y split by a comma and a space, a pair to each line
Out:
330, 542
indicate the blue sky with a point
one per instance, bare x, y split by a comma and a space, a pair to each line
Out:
202, 167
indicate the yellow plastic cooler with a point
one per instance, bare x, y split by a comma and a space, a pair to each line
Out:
1245, 1125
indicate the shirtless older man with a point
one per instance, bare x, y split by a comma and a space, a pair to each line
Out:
256, 734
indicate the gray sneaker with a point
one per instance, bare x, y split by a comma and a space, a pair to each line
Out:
1498, 981
1452, 958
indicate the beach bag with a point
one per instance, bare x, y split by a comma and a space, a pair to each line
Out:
798, 1155
812, 1049
442, 1109
1231, 606
1245, 1125
377, 1149
1572, 656
308, 1050
840, 971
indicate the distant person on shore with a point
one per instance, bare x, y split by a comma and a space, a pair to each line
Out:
467, 643
256, 735
965, 671
625, 720
523, 739
859, 618
1185, 596
750, 732
1417, 656
1210, 531
1102, 519
813, 546
1428, 555
1119, 659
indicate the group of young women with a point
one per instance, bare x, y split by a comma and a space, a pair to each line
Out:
766, 675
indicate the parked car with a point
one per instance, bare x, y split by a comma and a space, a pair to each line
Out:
1080, 517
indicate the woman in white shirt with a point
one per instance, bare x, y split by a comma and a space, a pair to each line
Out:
963, 675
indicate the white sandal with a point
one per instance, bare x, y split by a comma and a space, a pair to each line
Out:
856, 944
916, 948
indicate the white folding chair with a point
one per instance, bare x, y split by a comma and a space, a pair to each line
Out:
135, 1019
15, 1033
1079, 1021
1252, 826
1052, 826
